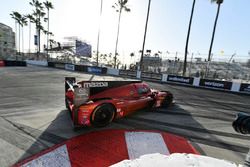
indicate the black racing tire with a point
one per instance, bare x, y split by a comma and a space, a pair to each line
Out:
150, 106
103, 115
168, 100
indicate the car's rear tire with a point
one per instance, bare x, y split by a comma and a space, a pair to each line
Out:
168, 100
103, 115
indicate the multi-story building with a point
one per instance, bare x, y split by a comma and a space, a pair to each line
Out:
7, 42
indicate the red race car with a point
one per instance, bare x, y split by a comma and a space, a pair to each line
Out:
97, 103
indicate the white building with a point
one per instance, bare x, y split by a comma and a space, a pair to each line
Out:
7, 42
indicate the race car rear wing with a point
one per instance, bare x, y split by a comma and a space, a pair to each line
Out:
84, 89
81, 95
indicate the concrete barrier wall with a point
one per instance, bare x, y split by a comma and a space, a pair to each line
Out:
38, 63
6, 63
156, 77
112, 71
191, 81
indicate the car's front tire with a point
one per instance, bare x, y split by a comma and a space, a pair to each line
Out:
103, 115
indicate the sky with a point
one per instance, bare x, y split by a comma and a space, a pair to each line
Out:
167, 26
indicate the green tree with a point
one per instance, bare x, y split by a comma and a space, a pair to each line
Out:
48, 5
119, 7
187, 40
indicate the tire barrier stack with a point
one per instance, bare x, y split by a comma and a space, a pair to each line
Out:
7, 63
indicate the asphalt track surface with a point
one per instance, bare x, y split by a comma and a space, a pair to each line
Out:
33, 116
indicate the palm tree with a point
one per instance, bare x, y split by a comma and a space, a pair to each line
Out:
38, 14
145, 34
119, 7
219, 2
17, 17
31, 20
23, 23
132, 55
48, 5
187, 41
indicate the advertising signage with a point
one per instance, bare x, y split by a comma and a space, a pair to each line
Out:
180, 79
95, 70
245, 88
216, 84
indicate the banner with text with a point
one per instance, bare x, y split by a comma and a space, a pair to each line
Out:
216, 84
245, 88
180, 79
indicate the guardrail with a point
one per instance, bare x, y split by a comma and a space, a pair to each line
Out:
37, 62
6, 63
79, 68
157, 77
189, 81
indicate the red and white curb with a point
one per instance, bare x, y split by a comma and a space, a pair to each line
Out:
58, 157
105, 148
141, 143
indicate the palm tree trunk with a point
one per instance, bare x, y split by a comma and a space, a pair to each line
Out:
212, 40
39, 34
22, 44
117, 36
16, 38
215, 24
98, 37
29, 36
19, 43
145, 34
187, 41
48, 38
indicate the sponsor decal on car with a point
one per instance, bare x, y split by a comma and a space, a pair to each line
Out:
95, 84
